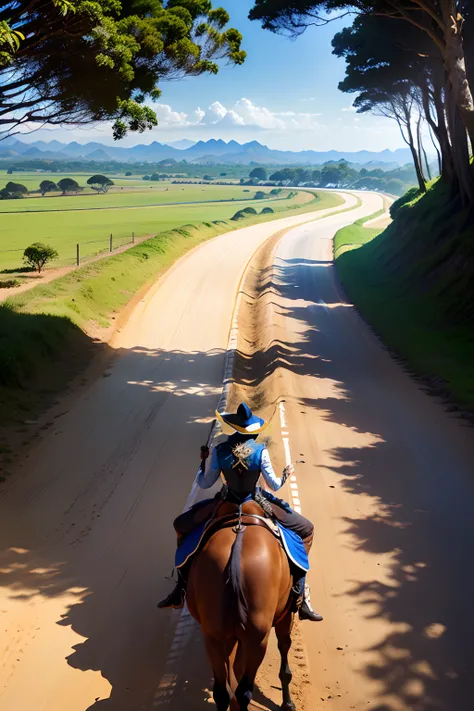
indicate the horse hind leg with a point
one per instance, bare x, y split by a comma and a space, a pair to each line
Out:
283, 633
217, 658
253, 652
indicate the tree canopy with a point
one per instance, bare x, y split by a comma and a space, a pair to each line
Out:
259, 174
18, 188
68, 185
406, 59
80, 61
38, 254
101, 183
47, 186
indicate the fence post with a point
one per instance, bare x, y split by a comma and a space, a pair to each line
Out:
133, 237
111, 245
78, 255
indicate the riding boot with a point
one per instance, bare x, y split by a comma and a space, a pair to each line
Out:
176, 598
305, 611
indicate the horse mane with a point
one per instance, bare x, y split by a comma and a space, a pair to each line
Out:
234, 582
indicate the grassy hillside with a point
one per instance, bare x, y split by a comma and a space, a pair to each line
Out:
414, 284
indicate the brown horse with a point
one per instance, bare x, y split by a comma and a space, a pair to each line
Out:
239, 588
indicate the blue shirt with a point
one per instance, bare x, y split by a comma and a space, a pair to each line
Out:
207, 476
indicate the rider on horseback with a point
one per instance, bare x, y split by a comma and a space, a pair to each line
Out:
241, 460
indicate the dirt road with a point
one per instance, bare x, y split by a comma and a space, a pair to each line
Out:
388, 477
85, 525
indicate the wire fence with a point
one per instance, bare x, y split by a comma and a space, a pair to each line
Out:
11, 260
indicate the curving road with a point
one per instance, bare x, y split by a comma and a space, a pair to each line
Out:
85, 525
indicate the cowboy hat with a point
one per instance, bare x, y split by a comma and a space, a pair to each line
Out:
243, 421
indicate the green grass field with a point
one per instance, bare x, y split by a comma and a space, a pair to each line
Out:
32, 179
126, 212
146, 193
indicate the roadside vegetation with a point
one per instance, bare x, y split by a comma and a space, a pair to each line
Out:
413, 284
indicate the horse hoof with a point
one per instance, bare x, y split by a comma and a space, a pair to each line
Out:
288, 707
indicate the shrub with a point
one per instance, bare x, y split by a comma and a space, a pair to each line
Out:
8, 283
249, 211
5, 195
267, 211
38, 254
259, 195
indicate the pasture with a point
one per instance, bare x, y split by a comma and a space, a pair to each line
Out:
145, 193
129, 211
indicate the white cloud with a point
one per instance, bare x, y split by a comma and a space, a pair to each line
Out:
245, 113
167, 117
199, 114
349, 108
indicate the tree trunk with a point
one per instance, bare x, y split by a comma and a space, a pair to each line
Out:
411, 143
439, 126
442, 135
456, 65
459, 142
421, 151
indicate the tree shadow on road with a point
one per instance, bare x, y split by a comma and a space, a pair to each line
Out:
421, 493
100, 541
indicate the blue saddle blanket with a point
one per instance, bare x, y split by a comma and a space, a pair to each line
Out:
292, 544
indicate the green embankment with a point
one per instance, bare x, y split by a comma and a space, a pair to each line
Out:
413, 283
44, 333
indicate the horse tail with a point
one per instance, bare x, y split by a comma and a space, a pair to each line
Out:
234, 584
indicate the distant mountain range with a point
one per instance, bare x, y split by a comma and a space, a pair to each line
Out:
207, 152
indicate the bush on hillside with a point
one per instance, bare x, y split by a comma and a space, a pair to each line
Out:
410, 195
242, 214
267, 211
259, 195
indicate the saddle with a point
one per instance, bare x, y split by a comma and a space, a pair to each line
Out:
227, 514
249, 513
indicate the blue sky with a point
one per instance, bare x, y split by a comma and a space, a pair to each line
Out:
285, 96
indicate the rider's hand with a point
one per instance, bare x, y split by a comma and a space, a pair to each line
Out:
204, 452
287, 472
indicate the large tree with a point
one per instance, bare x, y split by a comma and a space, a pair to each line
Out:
81, 61
442, 21
390, 65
